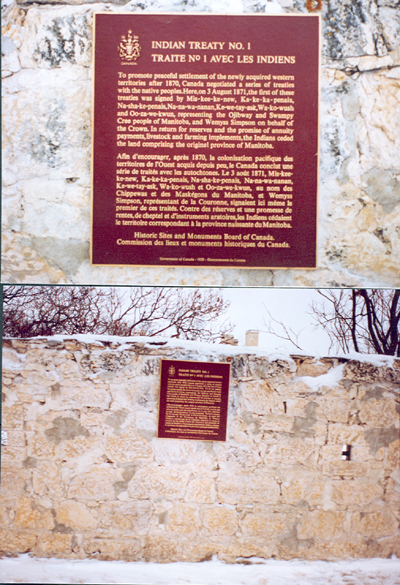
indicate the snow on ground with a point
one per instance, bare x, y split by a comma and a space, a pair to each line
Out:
26, 569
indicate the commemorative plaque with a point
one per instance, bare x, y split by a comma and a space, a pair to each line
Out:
205, 140
193, 400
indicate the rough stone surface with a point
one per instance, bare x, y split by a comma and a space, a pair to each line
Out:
96, 482
46, 137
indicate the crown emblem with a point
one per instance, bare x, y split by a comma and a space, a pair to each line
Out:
171, 371
129, 48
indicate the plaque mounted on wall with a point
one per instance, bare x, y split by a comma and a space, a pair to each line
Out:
193, 401
205, 140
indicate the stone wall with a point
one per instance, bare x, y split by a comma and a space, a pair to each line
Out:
47, 142
84, 475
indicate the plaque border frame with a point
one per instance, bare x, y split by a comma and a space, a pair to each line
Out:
227, 410
209, 266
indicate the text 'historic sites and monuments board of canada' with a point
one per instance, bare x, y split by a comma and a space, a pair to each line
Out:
205, 140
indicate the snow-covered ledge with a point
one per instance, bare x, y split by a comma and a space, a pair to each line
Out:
84, 475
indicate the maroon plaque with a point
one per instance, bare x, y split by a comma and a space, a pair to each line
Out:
193, 400
205, 140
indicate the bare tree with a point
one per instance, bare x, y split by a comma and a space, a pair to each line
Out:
30, 311
366, 321
279, 329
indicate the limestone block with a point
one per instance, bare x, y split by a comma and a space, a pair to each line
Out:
12, 361
277, 423
346, 469
247, 488
246, 366
260, 398
65, 428
360, 371
354, 548
21, 346
333, 409
379, 413
183, 519
176, 451
47, 480
220, 520
94, 486
39, 359
36, 371
296, 406
385, 548
321, 524
81, 395
54, 544
298, 488
7, 379
11, 542
88, 449
105, 363
52, 141
12, 453
67, 365
202, 490
292, 451
349, 32
376, 523
392, 495
13, 28
127, 447
381, 438
144, 391
334, 453
391, 374
40, 447
46, 521
7, 510
313, 367
238, 455
293, 389
159, 483
55, 37
93, 419
197, 550
12, 418
340, 434
232, 548
75, 515
73, 345
161, 549
133, 515
392, 457
351, 494
113, 549
12, 479
378, 95
27, 516
305, 426
266, 525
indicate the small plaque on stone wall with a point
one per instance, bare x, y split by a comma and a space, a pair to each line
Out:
205, 140
193, 400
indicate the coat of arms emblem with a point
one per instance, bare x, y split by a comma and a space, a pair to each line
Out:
171, 371
129, 48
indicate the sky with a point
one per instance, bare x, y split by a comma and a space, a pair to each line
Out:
249, 310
